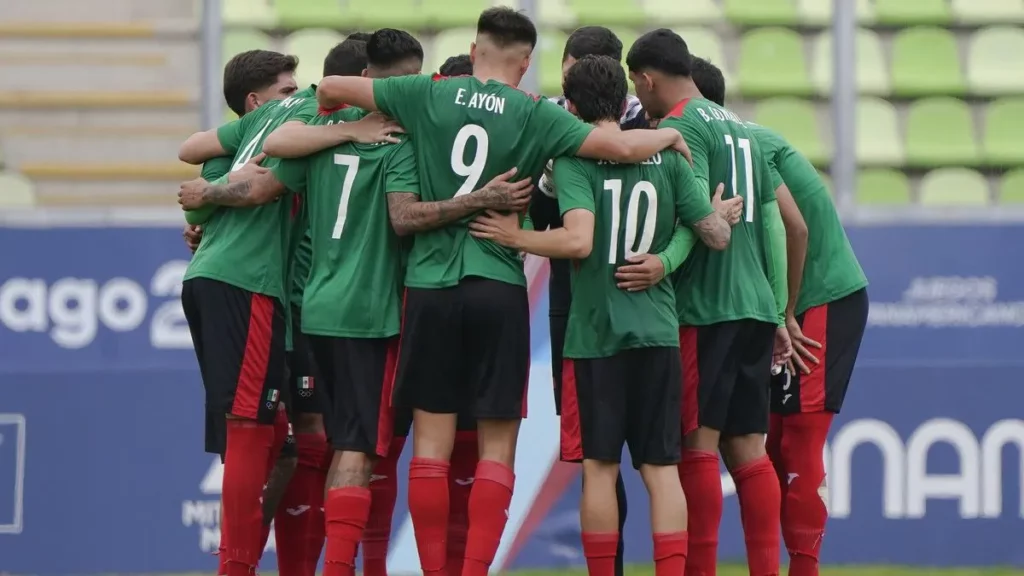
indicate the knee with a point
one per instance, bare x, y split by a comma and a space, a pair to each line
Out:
740, 450
308, 424
703, 439
600, 475
497, 440
351, 469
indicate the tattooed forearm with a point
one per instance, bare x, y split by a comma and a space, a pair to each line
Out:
233, 194
713, 231
409, 215
277, 482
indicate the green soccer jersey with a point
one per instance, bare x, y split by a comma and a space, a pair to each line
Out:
715, 286
249, 247
466, 132
354, 284
831, 270
635, 209
302, 260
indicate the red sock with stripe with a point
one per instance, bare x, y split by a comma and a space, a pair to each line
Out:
299, 522
804, 513
489, 502
600, 549
282, 430
670, 550
384, 488
702, 483
465, 457
346, 510
429, 509
245, 473
757, 487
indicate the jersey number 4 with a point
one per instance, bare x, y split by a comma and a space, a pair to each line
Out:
352, 164
748, 173
641, 188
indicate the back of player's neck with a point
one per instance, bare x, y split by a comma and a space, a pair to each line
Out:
486, 74
608, 124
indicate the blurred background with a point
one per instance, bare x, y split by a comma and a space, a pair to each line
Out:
914, 110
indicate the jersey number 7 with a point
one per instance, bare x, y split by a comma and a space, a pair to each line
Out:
748, 174
641, 188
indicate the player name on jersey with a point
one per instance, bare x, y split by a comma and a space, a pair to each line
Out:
488, 102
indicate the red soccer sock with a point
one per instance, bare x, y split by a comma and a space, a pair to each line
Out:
702, 483
465, 457
245, 472
384, 488
346, 510
804, 513
670, 553
428, 507
757, 486
282, 428
600, 548
299, 522
489, 502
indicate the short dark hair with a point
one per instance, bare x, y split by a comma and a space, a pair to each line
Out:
505, 26
596, 86
661, 50
388, 46
592, 41
253, 71
361, 36
709, 79
348, 58
456, 66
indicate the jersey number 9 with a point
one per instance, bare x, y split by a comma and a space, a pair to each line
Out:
475, 169
642, 188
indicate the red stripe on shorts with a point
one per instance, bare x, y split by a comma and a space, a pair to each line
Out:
255, 358
812, 386
385, 414
572, 441
691, 377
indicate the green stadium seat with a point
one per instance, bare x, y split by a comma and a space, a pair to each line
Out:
555, 13
878, 138
882, 188
237, 41
297, 14
704, 42
449, 43
552, 42
373, 14
772, 62
1011, 190
16, 191
256, 13
443, 14
819, 12
954, 187
909, 12
995, 65
940, 132
872, 76
674, 11
988, 11
761, 12
797, 121
926, 61
1002, 144
608, 12
311, 46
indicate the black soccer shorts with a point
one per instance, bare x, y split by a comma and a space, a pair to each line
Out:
631, 398
557, 325
305, 396
358, 377
239, 342
727, 376
468, 341
839, 327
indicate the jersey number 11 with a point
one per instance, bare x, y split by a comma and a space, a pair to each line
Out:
748, 174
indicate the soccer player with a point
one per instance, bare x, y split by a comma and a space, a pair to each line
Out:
826, 317
622, 366
466, 321
459, 65
731, 310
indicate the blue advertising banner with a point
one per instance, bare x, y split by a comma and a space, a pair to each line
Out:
101, 421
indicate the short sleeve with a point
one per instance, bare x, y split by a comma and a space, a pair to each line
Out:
292, 173
693, 132
573, 184
304, 112
216, 167
230, 135
401, 174
692, 201
769, 182
402, 97
561, 133
773, 169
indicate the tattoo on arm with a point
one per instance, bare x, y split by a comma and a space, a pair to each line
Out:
233, 194
713, 231
409, 215
277, 482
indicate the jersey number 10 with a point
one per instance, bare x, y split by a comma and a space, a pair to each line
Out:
748, 173
641, 188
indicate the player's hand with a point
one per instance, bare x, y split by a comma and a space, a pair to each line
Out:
249, 170
190, 195
801, 345
652, 122
496, 227
192, 234
730, 210
501, 194
680, 146
642, 272
376, 127
783, 349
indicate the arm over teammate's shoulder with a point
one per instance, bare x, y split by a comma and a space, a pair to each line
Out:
711, 219
209, 144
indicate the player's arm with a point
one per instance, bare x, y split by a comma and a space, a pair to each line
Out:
400, 97
295, 139
706, 217
212, 170
679, 246
694, 131
796, 241
775, 245
262, 188
209, 144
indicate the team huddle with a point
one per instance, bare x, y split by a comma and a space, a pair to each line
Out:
358, 277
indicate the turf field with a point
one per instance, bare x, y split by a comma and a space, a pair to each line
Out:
737, 570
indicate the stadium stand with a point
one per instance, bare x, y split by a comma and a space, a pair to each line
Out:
940, 80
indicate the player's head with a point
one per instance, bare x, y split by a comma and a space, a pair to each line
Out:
657, 61
595, 87
590, 41
505, 40
253, 78
360, 36
346, 59
391, 52
459, 65
709, 80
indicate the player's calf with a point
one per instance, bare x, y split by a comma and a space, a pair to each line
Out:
599, 516
757, 487
491, 495
668, 518
299, 519
347, 510
804, 507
